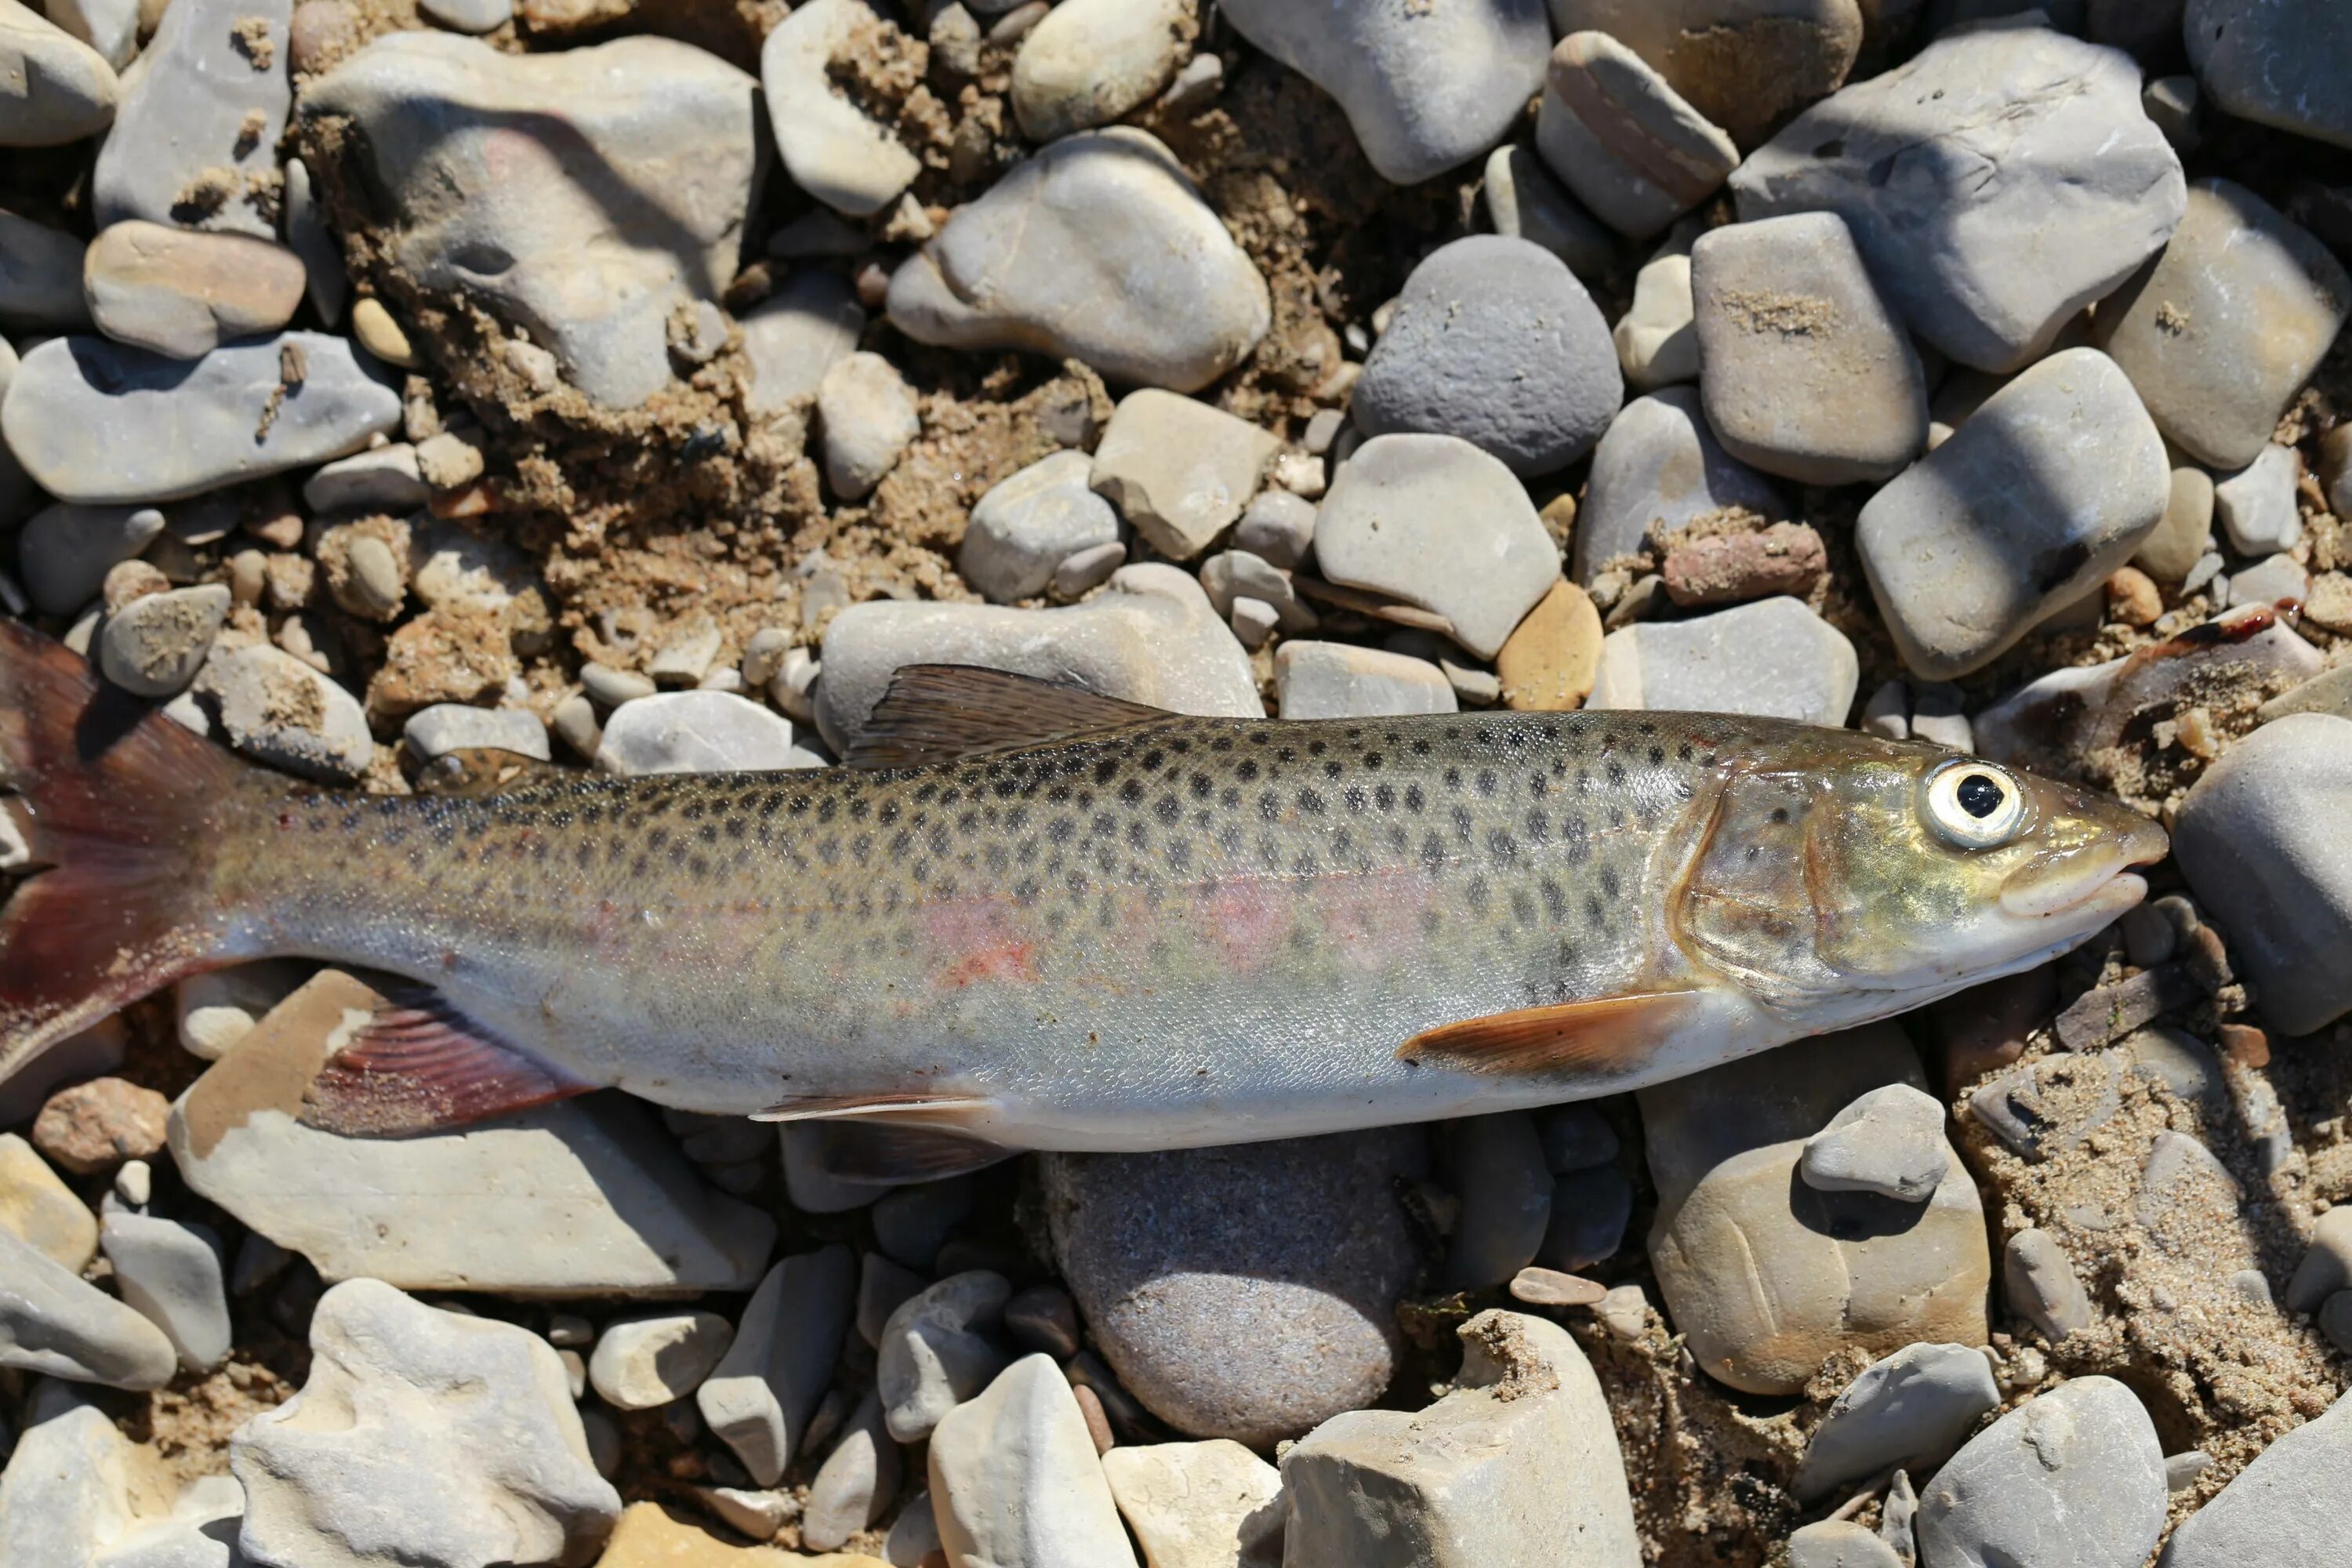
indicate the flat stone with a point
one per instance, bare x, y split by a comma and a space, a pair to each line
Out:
183, 294
384, 478
857, 1482
1805, 372
1152, 637
38, 1209
1553, 657
1912, 1409
831, 148
96, 421
94, 1126
698, 733
2257, 505
1425, 89
2047, 488
1098, 249
941, 1349
1523, 201
1027, 524
170, 1274
372, 1461
1890, 1140
1659, 469
1435, 522
870, 418
590, 234
759, 1399
1767, 1277
325, 283
2073, 1475
41, 277
2282, 1509
153, 646
2275, 65
448, 727
1245, 1292
1090, 62
1346, 680
1495, 341
798, 333
2258, 838
2186, 533
1623, 141
69, 90
66, 1494
1997, 182
1495, 1166
2274, 580
1519, 1464
652, 1358
1014, 1478
53, 1323
1746, 64
1657, 337
196, 137
2221, 330
1179, 471
272, 706
1199, 1505
1772, 658
539, 1219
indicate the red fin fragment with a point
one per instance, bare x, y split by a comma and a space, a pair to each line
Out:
420, 1065
1607, 1035
939, 712
863, 1151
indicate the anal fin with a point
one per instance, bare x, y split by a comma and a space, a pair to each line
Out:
420, 1065
1605, 1036
864, 1150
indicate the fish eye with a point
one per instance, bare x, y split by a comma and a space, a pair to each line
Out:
1974, 805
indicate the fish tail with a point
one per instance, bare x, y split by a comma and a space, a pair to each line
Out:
119, 807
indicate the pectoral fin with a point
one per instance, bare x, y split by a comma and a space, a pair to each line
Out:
420, 1065
1606, 1036
870, 1151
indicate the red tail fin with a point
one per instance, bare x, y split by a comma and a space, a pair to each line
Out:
118, 805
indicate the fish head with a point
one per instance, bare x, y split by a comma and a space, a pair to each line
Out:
1884, 874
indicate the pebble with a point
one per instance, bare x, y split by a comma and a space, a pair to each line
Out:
1745, 65
1911, 1409
761, 1397
1014, 1477
469, 15
2284, 1507
1244, 1292
541, 1221
1551, 1288
1657, 337
1772, 658
1890, 1141
829, 145
2326, 1265
1576, 1137
1768, 1278
1625, 143
857, 1484
153, 646
1098, 249
698, 733
1026, 525
2049, 487
92, 1127
939, 1349
2257, 504
1435, 522
1997, 182
2254, 837
448, 727
1344, 680
2274, 65
1088, 62
1179, 471
1732, 568
1199, 1505
870, 418
1589, 1210
1523, 201
2185, 535
650, 1359
1805, 372
581, 258
1277, 527
373, 1462
2073, 1475
1519, 1464
1153, 637
40, 278
1552, 656
797, 335
1659, 469
384, 478
2274, 580
273, 707
196, 137
913, 1223
69, 90
2220, 334
1495, 1166
183, 294
1425, 89
64, 1498
1840, 1543
170, 1274
325, 283
54, 1324
66, 551
38, 1209
1495, 341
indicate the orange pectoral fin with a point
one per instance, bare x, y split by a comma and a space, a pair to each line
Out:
1605, 1037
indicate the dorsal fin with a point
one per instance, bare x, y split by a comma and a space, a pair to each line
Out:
939, 712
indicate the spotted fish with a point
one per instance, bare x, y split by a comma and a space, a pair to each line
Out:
1026, 916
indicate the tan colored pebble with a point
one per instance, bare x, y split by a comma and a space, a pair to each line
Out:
380, 334
1551, 1287
1090, 1405
248, 575
1549, 663
2133, 598
95, 1126
130, 580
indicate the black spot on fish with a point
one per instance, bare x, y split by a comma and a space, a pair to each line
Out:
1502, 846
1310, 802
1555, 898
1609, 884
1413, 799
1779, 813
1488, 782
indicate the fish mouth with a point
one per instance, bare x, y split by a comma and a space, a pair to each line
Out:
2092, 882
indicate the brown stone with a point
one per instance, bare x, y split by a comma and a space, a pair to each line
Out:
652, 1536
323, 32
1984, 1028
184, 293
95, 1126
1732, 568
2133, 598
1746, 64
1549, 663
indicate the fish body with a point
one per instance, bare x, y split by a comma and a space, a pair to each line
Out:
1160, 930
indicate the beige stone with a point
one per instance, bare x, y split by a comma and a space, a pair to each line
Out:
1746, 64
40, 1210
1549, 664
184, 293
1178, 469
1199, 1505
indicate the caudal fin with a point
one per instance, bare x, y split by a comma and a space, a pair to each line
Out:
120, 808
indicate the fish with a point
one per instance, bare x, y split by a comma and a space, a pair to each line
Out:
1024, 915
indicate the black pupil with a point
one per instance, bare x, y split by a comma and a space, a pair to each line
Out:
1979, 795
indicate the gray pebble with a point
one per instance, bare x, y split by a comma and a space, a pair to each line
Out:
1657, 337
1027, 525
882, 1287
857, 1482
1839, 1544
1495, 1166
868, 416
1088, 62
759, 1399
2276, 579
1590, 1210
183, 294
698, 733
51, 1322
1278, 527
69, 91
2181, 1470
1625, 143
381, 480
171, 1274
1495, 341
609, 687
2075, 1475
1773, 657
40, 276
2275, 65
913, 1223
2186, 534
195, 138
469, 15
448, 726
1524, 201
1891, 1141
1910, 1409
326, 284
1178, 469
273, 707
2286, 1508
1343, 680
65, 550
1659, 468
1230, 576
153, 646
2257, 505
1081, 572
939, 1349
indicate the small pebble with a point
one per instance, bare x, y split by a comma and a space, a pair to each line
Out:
93, 1127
